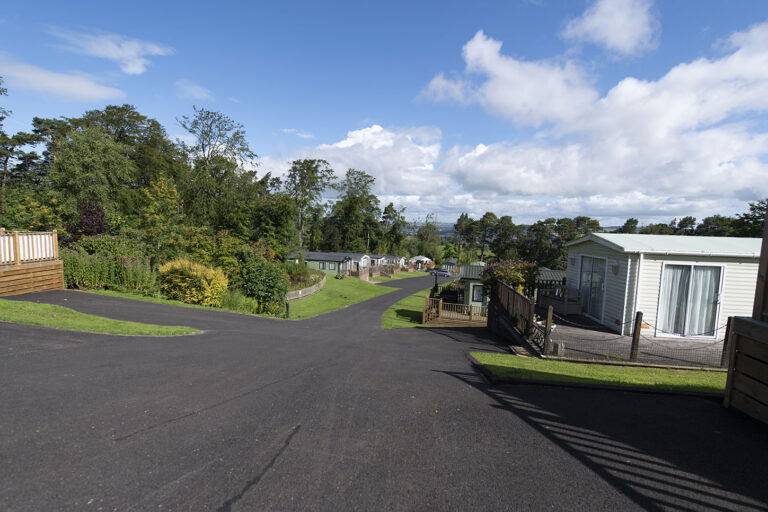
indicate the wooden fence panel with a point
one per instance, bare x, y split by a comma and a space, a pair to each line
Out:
747, 385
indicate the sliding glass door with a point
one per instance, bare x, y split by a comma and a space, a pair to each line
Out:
689, 301
593, 286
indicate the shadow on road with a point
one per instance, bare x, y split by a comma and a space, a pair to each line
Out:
660, 451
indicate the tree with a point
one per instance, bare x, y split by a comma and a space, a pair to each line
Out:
630, 226
161, 221
506, 235
216, 136
486, 231
3, 112
657, 229
306, 181
464, 231
428, 239
393, 224
353, 223
716, 225
684, 226
750, 223
10, 152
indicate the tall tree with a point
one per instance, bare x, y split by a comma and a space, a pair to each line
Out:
486, 226
216, 136
506, 236
750, 223
464, 232
684, 226
354, 218
428, 239
630, 226
715, 225
393, 224
3, 112
306, 181
11, 151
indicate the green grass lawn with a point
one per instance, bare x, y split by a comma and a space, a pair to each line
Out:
336, 294
405, 313
156, 300
401, 275
49, 315
507, 365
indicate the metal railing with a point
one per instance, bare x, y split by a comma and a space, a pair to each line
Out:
22, 247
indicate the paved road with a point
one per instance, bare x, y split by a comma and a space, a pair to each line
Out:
333, 413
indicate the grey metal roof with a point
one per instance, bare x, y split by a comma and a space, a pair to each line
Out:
547, 274
450, 261
472, 271
676, 244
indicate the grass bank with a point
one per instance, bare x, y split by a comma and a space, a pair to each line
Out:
49, 315
336, 294
405, 313
400, 275
529, 368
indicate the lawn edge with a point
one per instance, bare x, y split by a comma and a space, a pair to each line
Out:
199, 331
496, 380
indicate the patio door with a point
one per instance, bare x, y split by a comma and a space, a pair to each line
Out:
689, 301
593, 286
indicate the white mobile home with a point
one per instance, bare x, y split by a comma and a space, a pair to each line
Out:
686, 286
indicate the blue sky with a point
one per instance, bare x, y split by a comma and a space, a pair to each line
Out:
607, 108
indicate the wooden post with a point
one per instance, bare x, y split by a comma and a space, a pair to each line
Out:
55, 245
731, 359
16, 252
636, 336
548, 332
724, 355
470, 311
440, 308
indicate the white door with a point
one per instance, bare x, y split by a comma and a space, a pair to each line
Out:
689, 301
593, 286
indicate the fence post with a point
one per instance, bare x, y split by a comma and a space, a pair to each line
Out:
55, 245
724, 356
636, 336
440, 308
16, 252
548, 332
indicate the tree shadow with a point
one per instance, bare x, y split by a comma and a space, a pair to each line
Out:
409, 315
660, 451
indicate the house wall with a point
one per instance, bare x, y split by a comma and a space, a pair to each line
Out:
315, 264
739, 278
614, 315
468, 293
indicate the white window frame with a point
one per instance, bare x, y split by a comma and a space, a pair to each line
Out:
659, 334
482, 295
605, 283
321, 265
331, 266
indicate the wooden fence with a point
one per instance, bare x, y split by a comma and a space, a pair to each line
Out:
518, 307
20, 247
747, 385
438, 312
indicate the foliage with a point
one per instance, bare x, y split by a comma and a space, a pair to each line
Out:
93, 220
160, 220
235, 300
512, 272
629, 226
221, 250
104, 271
336, 294
306, 181
192, 282
751, 223
353, 224
32, 215
116, 246
264, 282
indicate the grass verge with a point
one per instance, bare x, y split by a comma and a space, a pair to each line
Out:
400, 275
336, 294
529, 368
49, 315
405, 313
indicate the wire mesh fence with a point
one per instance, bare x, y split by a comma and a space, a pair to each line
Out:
577, 337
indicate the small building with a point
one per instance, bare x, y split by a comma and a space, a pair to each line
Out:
472, 279
378, 259
686, 286
451, 264
398, 261
332, 262
420, 262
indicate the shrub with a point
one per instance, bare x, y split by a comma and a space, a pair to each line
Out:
102, 271
512, 272
116, 246
264, 282
193, 283
221, 250
235, 300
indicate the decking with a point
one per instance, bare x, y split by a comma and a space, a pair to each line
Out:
29, 262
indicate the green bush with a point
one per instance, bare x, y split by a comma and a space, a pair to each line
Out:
193, 283
235, 300
266, 283
220, 250
101, 271
117, 246
300, 276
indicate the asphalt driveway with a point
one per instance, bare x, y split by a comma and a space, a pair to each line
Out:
334, 413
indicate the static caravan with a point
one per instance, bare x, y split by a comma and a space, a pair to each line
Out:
686, 286
332, 262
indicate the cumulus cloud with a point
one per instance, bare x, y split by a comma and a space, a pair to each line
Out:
527, 92
682, 143
67, 86
624, 27
130, 54
188, 90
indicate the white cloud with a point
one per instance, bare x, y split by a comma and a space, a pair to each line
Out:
299, 133
188, 90
624, 27
68, 86
527, 92
130, 54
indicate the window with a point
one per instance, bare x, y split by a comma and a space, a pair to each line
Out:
321, 265
331, 266
477, 293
